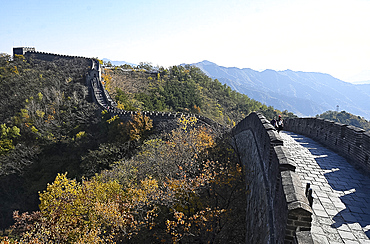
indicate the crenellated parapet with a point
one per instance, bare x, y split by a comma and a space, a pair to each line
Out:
277, 207
30, 52
48, 56
351, 142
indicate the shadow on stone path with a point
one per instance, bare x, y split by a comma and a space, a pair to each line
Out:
341, 193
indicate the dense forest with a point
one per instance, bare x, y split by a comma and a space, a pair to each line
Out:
70, 172
344, 117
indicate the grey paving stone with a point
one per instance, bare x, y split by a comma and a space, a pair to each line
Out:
365, 241
321, 194
315, 228
334, 196
326, 189
318, 207
366, 216
346, 235
325, 199
317, 238
331, 212
344, 227
339, 205
321, 179
351, 242
338, 223
309, 178
363, 195
334, 237
315, 187
355, 209
328, 229
348, 217
354, 226
321, 213
324, 220
359, 234
328, 205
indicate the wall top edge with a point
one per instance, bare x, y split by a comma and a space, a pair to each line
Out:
356, 129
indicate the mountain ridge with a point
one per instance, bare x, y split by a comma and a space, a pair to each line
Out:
117, 63
304, 93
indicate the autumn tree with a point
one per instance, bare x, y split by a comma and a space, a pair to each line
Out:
123, 140
201, 199
8, 134
73, 212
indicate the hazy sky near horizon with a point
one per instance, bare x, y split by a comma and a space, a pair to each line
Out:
328, 36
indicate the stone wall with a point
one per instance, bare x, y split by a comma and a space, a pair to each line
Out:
30, 52
277, 207
47, 56
350, 142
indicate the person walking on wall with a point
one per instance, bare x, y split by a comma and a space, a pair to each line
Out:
280, 124
273, 122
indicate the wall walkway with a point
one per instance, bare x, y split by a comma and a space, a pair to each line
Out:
341, 193
277, 207
349, 141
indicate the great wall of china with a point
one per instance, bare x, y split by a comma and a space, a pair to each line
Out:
279, 206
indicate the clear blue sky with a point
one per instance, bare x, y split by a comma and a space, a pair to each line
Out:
329, 36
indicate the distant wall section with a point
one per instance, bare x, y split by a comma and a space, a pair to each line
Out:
31, 53
47, 56
101, 97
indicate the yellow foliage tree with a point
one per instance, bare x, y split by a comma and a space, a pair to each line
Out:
7, 134
73, 212
138, 125
107, 80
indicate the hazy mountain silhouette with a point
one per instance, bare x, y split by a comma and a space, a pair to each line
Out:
304, 93
117, 63
360, 78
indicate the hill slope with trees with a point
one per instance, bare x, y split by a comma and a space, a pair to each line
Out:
70, 172
344, 117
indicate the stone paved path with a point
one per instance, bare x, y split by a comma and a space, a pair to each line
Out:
341, 193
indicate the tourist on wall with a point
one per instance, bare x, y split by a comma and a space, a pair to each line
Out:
273, 122
280, 124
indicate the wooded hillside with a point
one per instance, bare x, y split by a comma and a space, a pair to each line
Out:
84, 175
344, 117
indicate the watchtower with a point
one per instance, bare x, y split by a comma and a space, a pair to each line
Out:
22, 50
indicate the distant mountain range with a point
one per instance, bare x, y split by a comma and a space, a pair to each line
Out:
360, 78
303, 93
117, 63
